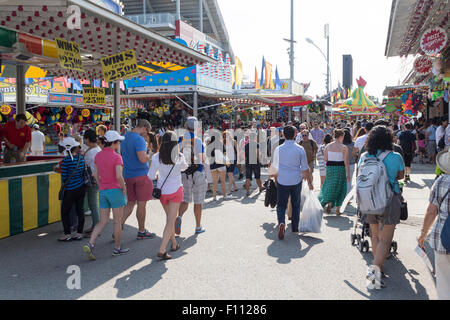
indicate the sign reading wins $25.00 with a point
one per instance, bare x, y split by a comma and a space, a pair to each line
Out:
120, 66
69, 54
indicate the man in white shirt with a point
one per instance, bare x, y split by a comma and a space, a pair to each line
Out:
299, 138
37, 146
359, 143
290, 167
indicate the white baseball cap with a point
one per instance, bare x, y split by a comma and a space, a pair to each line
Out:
112, 136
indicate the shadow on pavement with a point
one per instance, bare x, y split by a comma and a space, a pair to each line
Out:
413, 185
34, 264
398, 283
339, 222
290, 247
147, 276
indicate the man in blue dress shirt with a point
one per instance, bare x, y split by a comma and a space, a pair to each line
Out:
291, 166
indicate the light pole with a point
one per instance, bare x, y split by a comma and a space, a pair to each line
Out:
327, 59
291, 53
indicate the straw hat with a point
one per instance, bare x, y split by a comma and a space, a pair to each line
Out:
443, 161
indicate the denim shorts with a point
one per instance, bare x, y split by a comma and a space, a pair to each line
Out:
112, 199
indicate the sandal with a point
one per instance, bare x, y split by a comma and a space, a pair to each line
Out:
65, 238
328, 208
164, 256
176, 248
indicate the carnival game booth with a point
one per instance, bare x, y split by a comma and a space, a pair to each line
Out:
85, 42
171, 109
359, 104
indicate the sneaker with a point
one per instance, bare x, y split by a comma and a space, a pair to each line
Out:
281, 231
199, 230
374, 279
178, 226
89, 250
120, 251
145, 235
228, 196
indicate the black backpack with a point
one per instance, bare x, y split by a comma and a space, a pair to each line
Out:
441, 143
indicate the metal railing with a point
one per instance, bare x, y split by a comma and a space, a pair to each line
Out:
153, 19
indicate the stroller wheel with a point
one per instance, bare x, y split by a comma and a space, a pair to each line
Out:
394, 247
361, 246
366, 246
353, 239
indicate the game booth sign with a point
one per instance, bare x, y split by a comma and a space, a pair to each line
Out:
95, 45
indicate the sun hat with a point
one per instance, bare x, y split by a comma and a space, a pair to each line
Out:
112, 136
69, 143
443, 161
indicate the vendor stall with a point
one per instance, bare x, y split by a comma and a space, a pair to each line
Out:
97, 45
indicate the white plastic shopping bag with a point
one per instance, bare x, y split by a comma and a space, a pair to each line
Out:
304, 193
311, 215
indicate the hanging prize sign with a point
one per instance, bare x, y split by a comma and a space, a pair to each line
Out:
423, 65
93, 95
433, 41
5, 109
85, 113
69, 110
69, 54
120, 66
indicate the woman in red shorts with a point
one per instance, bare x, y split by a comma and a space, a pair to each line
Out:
168, 164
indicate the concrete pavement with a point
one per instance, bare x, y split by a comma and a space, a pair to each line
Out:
238, 257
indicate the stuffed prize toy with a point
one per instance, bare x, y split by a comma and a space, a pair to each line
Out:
54, 116
40, 115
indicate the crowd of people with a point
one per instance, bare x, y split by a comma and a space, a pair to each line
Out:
121, 171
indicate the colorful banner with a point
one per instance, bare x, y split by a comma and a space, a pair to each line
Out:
120, 66
268, 81
69, 54
93, 95
34, 93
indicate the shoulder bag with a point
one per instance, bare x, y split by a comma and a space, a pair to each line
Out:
156, 191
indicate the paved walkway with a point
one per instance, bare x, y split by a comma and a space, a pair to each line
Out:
239, 257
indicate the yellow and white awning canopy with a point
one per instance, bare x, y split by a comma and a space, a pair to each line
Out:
102, 33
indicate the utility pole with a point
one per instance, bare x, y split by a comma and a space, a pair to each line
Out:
291, 53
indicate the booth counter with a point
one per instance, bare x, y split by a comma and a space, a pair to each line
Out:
29, 195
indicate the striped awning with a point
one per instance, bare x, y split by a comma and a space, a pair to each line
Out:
102, 33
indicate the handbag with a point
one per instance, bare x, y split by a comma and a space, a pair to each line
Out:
445, 232
62, 191
157, 191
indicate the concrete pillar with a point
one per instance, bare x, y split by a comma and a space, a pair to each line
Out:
20, 89
195, 104
117, 106
289, 113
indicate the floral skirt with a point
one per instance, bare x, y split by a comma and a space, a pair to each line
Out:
334, 188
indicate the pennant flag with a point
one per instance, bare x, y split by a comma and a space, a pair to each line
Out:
28, 81
97, 83
277, 80
267, 83
261, 82
77, 85
257, 86
122, 86
239, 73
105, 84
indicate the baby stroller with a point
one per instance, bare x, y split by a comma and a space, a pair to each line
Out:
359, 239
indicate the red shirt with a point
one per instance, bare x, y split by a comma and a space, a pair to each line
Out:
16, 136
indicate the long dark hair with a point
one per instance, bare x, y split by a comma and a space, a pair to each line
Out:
347, 136
169, 144
379, 138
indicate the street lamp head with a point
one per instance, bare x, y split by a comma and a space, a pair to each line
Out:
309, 40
